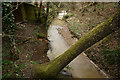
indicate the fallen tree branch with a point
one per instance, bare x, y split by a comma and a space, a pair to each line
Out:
52, 68
41, 38
14, 36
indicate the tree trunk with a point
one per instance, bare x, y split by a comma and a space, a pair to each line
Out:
47, 14
52, 68
40, 8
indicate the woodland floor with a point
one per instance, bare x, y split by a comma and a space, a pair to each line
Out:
28, 50
105, 53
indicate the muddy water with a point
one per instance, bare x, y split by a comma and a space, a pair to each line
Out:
57, 43
81, 66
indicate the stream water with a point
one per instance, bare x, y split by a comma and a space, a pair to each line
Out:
57, 43
81, 66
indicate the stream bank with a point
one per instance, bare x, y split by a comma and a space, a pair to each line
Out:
60, 40
30, 49
83, 17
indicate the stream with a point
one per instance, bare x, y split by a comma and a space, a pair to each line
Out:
81, 66
57, 43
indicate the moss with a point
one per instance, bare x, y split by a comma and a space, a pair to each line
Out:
30, 12
43, 70
23, 11
95, 35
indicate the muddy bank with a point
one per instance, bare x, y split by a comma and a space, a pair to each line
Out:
81, 64
30, 49
64, 31
60, 41
84, 18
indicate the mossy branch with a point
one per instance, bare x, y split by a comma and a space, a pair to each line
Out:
51, 69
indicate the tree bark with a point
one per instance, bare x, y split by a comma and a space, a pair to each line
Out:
47, 14
40, 8
52, 68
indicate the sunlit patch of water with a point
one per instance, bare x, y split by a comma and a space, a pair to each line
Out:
63, 13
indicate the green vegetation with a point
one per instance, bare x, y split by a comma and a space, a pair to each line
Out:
13, 65
33, 62
112, 55
68, 16
9, 28
8, 18
38, 32
68, 67
31, 52
51, 69
12, 69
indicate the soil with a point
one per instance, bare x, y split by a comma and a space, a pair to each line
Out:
30, 49
83, 17
70, 38
103, 54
